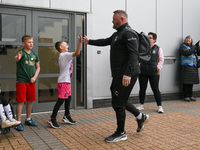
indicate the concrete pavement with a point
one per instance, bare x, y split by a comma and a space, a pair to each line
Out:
177, 128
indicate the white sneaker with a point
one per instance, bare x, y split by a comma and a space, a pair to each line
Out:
7, 123
160, 109
68, 120
15, 121
140, 107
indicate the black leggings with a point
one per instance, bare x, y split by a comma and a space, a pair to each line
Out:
58, 105
154, 83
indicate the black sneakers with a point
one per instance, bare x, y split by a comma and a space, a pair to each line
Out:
187, 99
116, 137
192, 99
142, 121
68, 120
53, 123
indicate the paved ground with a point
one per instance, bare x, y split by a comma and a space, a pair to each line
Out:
177, 128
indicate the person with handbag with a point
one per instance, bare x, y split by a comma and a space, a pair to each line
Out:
189, 69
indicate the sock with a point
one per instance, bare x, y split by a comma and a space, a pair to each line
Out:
139, 116
53, 118
2, 113
27, 119
8, 111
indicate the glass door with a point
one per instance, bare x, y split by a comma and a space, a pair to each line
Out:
13, 25
46, 28
80, 75
49, 28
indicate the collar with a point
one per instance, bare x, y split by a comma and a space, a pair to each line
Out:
187, 44
154, 44
122, 27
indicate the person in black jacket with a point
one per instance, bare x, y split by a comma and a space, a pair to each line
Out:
189, 72
150, 71
124, 69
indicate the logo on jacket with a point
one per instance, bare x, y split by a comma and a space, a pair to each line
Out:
116, 38
131, 39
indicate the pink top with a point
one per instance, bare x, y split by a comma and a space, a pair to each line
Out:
160, 57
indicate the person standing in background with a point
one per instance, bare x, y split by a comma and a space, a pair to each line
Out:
189, 70
150, 71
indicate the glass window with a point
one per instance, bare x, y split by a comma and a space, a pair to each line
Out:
48, 60
51, 30
47, 89
8, 89
7, 54
13, 28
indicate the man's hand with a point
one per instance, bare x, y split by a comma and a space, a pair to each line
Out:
126, 80
85, 40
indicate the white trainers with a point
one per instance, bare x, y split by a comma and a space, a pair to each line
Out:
140, 107
14, 120
160, 109
7, 123
68, 120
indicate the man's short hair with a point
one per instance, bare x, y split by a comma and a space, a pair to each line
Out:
154, 35
121, 13
25, 37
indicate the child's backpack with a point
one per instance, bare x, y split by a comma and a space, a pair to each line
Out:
144, 46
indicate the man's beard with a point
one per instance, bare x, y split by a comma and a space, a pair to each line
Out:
117, 25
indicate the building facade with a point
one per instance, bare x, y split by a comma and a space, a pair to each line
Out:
49, 21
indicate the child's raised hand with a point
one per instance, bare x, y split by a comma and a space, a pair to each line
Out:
18, 56
80, 38
77, 52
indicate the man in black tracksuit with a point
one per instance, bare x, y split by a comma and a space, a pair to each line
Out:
125, 69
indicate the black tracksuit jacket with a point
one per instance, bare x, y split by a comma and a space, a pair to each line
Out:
123, 51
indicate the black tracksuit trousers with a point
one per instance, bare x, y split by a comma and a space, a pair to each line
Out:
120, 95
